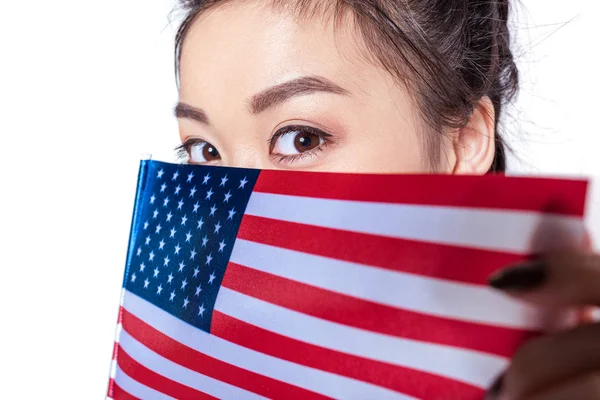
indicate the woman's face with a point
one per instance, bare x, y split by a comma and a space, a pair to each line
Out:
262, 89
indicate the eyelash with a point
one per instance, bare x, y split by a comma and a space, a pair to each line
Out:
183, 151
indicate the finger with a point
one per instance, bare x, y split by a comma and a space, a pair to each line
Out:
586, 387
563, 279
545, 361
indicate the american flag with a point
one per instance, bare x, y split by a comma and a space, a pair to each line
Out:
247, 284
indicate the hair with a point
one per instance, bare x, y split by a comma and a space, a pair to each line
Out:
448, 53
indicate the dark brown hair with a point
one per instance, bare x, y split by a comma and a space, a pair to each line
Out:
448, 53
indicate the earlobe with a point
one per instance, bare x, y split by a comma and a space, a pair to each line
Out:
474, 144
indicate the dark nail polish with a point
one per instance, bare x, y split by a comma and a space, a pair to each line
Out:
520, 278
496, 388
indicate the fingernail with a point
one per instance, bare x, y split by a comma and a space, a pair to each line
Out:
520, 278
495, 389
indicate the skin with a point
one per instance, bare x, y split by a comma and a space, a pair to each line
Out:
255, 86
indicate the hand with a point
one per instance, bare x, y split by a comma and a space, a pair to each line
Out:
564, 366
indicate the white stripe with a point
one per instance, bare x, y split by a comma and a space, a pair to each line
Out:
471, 367
315, 380
396, 289
175, 372
510, 231
136, 389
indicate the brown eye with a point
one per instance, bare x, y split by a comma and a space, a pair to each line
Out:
203, 152
296, 140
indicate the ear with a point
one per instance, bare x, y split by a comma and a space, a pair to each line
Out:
475, 144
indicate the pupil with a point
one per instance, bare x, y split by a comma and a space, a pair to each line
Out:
210, 153
305, 141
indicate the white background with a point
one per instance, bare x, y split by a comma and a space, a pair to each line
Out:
87, 87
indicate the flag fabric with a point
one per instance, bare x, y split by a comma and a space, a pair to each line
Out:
247, 284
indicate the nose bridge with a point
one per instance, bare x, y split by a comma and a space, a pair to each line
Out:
246, 156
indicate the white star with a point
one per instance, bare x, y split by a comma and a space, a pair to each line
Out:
139, 251
184, 284
209, 259
198, 290
146, 225
211, 278
133, 278
151, 255
184, 220
201, 310
209, 194
196, 272
177, 248
156, 271
218, 227
155, 214
172, 296
186, 301
200, 223
163, 187
188, 237
213, 210
161, 245
190, 177
170, 278
166, 202
142, 267
227, 197
193, 191
169, 216
204, 241
161, 173
148, 240
158, 228
193, 254
172, 235
159, 289
224, 180
181, 266
243, 183
221, 246
167, 261
152, 199
206, 178
180, 204
178, 189
175, 175
196, 207
146, 283
232, 212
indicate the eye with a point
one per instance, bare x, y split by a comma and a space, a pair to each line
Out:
199, 151
296, 140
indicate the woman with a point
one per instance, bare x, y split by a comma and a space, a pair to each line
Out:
379, 86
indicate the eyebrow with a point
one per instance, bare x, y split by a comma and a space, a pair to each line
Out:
297, 87
270, 97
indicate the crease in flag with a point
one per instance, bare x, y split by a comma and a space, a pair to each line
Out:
244, 284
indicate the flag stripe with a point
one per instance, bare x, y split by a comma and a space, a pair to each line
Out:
457, 264
208, 366
395, 289
120, 394
371, 316
462, 191
328, 384
498, 230
474, 368
179, 381
137, 389
404, 380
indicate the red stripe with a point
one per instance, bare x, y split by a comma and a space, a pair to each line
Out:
498, 192
209, 366
404, 380
115, 351
427, 259
371, 316
156, 381
120, 394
